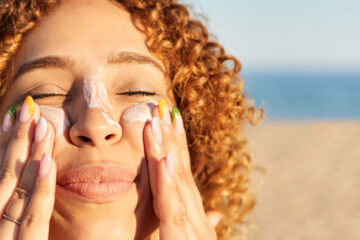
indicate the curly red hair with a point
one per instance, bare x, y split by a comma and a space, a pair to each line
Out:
207, 91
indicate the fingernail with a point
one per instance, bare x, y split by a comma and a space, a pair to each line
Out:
41, 129
9, 118
164, 112
156, 130
169, 163
214, 218
177, 120
217, 219
27, 109
45, 165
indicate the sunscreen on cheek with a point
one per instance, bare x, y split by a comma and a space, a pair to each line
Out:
57, 117
140, 112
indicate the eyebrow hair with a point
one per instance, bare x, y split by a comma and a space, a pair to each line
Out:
67, 63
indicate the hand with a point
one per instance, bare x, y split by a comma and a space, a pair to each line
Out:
27, 175
176, 198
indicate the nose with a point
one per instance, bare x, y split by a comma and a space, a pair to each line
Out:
95, 128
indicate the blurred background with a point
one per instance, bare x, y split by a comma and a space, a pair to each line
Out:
301, 63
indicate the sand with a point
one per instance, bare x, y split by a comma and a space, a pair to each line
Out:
311, 189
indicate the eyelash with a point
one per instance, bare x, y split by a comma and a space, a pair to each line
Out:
142, 93
44, 95
130, 93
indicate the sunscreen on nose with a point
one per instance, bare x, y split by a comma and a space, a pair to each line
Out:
94, 91
111, 121
96, 96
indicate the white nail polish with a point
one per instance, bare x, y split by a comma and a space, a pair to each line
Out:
45, 165
41, 129
7, 123
179, 126
156, 130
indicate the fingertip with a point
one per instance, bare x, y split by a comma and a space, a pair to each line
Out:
147, 135
46, 177
36, 114
156, 130
152, 145
214, 218
45, 165
155, 112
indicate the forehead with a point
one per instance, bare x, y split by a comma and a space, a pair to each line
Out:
87, 31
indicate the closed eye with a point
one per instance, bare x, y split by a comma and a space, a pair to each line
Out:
44, 95
130, 93
141, 93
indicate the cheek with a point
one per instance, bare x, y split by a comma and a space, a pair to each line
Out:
133, 134
57, 117
133, 122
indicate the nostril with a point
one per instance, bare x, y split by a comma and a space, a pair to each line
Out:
110, 136
85, 139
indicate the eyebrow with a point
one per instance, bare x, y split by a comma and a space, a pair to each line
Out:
67, 63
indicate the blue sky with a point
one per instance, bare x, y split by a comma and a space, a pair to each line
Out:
317, 35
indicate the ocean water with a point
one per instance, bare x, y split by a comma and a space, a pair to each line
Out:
305, 96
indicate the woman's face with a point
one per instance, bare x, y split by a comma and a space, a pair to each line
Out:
90, 55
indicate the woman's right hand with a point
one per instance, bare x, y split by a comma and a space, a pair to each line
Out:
27, 175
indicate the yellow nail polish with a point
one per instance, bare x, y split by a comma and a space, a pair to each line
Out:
29, 101
162, 106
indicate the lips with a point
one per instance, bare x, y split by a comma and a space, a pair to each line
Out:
98, 183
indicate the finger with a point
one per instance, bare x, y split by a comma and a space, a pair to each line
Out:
18, 150
154, 152
174, 141
163, 112
44, 138
171, 210
36, 220
189, 195
213, 217
174, 133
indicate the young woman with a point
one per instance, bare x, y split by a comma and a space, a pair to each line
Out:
120, 121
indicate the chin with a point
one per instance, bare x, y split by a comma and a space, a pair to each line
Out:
130, 216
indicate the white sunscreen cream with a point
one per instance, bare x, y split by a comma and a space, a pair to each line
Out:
140, 112
96, 96
111, 121
57, 117
95, 93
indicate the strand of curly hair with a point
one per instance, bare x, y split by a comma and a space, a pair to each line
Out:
208, 93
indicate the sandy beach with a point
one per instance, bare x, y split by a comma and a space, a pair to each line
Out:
311, 188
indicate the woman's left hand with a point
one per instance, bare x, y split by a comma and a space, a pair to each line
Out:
176, 198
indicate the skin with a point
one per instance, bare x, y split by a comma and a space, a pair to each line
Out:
87, 32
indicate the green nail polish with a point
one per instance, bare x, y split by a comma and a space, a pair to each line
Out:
174, 111
12, 111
